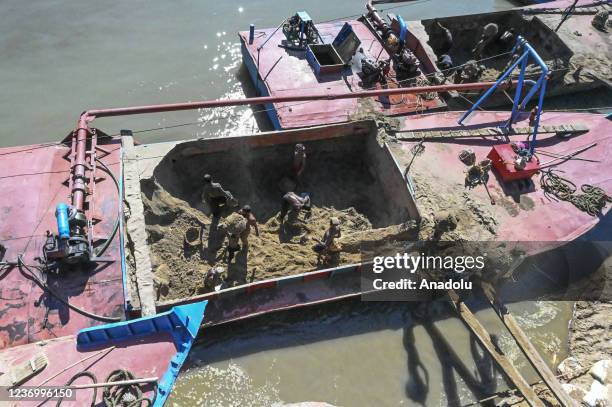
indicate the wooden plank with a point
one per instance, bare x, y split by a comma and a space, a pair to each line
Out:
135, 227
487, 132
485, 340
527, 347
584, 10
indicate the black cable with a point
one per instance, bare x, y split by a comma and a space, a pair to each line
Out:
110, 238
84, 373
32, 276
114, 395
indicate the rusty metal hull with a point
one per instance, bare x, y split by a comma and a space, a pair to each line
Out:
577, 55
62, 353
34, 180
277, 71
534, 217
42, 168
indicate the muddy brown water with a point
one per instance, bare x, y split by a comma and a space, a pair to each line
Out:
61, 57
355, 353
362, 354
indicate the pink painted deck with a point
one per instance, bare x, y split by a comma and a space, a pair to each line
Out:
284, 72
144, 358
530, 216
32, 184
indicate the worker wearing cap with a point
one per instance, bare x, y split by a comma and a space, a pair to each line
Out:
251, 221
445, 63
299, 161
296, 203
215, 196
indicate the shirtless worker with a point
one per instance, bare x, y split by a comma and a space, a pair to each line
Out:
250, 221
215, 196
328, 245
295, 202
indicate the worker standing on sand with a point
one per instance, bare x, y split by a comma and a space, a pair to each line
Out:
299, 161
235, 225
250, 221
446, 39
216, 197
296, 203
328, 247
489, 34
232, 246
472, 71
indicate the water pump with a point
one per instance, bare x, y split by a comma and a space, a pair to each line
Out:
70, 245
300, 31
374, 71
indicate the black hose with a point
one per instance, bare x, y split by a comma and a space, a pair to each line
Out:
84, 373
116, 395
32, 276
110, 238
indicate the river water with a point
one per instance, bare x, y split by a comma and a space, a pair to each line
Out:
61, 57
362, 354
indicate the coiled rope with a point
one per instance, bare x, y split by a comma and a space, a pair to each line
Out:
124, 395
592, 200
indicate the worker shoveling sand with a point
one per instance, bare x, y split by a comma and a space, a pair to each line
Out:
180, 269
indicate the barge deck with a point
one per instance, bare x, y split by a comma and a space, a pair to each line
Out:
576, 54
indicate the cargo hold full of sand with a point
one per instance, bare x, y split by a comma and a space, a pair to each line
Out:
351, 178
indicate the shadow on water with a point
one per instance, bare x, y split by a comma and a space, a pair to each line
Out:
481, 382
436, 353
299, 328
417, 385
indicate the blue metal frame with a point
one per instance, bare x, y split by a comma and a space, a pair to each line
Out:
539, 85
182, 322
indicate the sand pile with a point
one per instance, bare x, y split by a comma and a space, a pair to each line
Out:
180, 268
